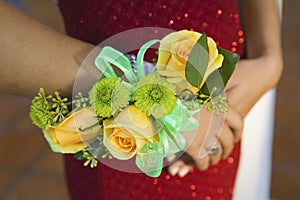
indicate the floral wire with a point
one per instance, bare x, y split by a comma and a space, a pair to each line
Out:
89, 127
185, 99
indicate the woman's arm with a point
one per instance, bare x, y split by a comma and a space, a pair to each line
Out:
262, 68
261, 22
33, 55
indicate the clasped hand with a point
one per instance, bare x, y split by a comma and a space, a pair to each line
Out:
220, 131
251, 79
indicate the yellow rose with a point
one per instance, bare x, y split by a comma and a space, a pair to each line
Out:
126, 133
66, 136
173, 54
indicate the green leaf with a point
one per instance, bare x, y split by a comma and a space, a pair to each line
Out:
197, 62
79, 156
220, 77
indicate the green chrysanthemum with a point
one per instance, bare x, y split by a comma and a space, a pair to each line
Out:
40, 117
108, 96
154, 95
40, 110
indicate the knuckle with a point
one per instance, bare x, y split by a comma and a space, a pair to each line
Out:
228, 149
203, 164
203, 167
241, 125
215, 160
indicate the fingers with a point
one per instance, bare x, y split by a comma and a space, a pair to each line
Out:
185, 163
214, 159
175, 167
184, 170
180, 167
213, 156
202, 163
236, 122
227, 141
222, 129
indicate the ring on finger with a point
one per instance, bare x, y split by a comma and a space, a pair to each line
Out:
214, 150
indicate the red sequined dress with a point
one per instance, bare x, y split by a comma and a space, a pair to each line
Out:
93, 21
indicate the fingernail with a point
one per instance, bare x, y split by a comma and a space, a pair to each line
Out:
173, 170
183, 172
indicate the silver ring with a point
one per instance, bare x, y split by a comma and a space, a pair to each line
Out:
214, 150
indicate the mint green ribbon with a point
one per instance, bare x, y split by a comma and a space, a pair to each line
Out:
140, 57
109, 55
181, 119
150, 157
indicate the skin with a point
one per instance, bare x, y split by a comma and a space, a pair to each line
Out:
254, 76
37, 51
41, 51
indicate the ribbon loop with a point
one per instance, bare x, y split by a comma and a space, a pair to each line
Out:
108, 56
140, 57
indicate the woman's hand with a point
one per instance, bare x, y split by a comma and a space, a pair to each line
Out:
250, 80
220, 131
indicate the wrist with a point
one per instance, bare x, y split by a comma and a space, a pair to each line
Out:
272, 68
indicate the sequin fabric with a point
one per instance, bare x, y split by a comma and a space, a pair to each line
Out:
93, 21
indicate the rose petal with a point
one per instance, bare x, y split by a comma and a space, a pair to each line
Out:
66, 137
136, 122
132, 125
56, 147
115, 150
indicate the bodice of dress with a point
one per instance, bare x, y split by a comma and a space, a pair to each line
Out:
93, 21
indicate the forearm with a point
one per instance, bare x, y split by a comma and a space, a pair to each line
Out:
261, 69
33, 55
261, 22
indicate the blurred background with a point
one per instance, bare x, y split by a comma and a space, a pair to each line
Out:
27, 166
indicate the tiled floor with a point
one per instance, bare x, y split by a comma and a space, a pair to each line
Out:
29, 170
